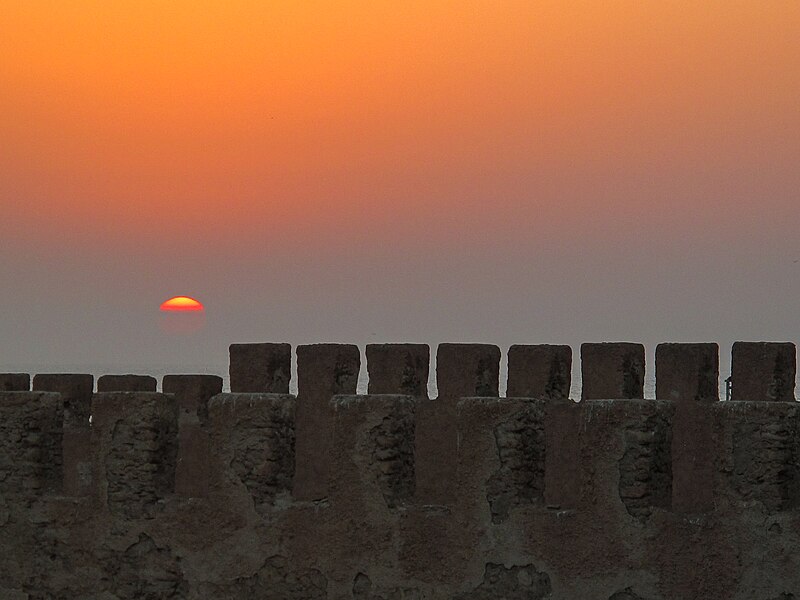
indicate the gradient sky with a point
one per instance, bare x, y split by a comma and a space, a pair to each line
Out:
503, 171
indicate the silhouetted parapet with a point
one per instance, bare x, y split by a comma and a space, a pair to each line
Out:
462, 370
192, 393
253, 442
539, 371
689, 375
612, 371
260, 368
15, 382
373, 452
30, 447
76, 391
323, 371
501, 455
126, 383
763, 371
398, 369
626, 455
687, 372
134, 435
756, 446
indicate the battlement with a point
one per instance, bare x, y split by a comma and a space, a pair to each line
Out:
195, 493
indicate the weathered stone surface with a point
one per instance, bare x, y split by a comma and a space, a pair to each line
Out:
276, 578
76, 391
612, 371
462, 370
135, 441
758, 451
763, 371
15, 382
143, 570
552, 499
192, 392
539, 371
126, 383
374, 448
363, 589
524, 582
254, 434
398, 369
521, 449
260, 368
629, 442
323, 371
30, 447
687, 372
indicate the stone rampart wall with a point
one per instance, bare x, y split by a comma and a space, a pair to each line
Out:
191, 493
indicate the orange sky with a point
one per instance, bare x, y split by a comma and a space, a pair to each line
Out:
161, 115
172, 138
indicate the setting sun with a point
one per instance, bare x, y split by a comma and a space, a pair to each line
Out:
182, 303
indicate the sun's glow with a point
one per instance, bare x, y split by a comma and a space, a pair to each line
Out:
182, 303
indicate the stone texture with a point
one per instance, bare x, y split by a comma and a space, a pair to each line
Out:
323, 371
398, 369
260, 368
539, 371
687, 372
763, 371
758, 449
126, 383
612, 371
254, 434
192, 393
135, 441
15, 382
373, 449
600, 526
30, 447
510, 583
76, 391
462, 370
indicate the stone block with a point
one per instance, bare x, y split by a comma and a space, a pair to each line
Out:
15, 382
30, 446
687, 372
462, 370
693, 457
253, 438
611, 371
398, 369
134, 437
260, 368
373, 452
76, 391
757, 451
539, 371
501, 454
626, 456
323, 371
192, 393
562, 429
126, 383
763, 371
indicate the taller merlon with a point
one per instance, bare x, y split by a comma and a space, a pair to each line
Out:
195, 494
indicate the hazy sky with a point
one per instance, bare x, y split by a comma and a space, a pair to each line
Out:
504, 171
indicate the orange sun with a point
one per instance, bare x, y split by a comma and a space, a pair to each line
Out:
181, 303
